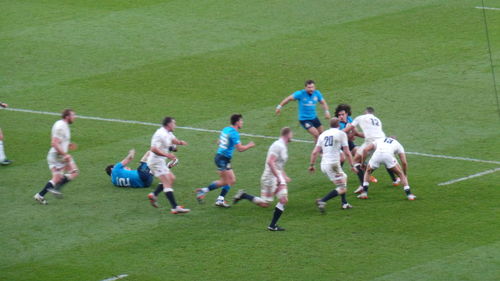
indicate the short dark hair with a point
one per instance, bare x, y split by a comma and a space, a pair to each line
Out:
167, 120
67, 112
309, 82
343, 107
370, 109
235, 118
285, 131
108, 169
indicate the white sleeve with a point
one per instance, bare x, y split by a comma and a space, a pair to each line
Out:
356, 121
400, 149
343, 139
320, 140
157, 141
58, 131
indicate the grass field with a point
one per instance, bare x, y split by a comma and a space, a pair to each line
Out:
422, 64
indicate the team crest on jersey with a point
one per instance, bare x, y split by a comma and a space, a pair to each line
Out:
315, 98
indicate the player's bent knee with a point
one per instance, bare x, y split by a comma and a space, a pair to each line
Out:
283, 200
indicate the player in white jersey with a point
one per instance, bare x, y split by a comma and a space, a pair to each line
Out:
274, 179
385, 149
61, 163
372, 131
330, 143
3, 158
162, 144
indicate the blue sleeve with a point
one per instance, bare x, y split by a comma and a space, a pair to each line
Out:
349, 119
320, 96
235, 137
118, 166
296, 95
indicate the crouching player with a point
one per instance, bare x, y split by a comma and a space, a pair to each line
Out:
123, 176
385, 150
274, 179
330, 143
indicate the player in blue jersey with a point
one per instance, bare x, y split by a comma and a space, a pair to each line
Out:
123, 176
229, 140
307, 99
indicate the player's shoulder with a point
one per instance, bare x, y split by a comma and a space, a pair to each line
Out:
298, 93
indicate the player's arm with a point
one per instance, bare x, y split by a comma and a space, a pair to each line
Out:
283, 103
271, 162
3, 104
128, 158
358, 133
179, 142
364, 153
404, 163
324, 105
314, 156
348, 154
56, 144
240, 147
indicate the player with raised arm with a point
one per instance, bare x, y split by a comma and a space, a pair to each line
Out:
385, 149
161, 146
61, 163
123, 176
3, 158
274, 179
229, 139
330, 143
307, 99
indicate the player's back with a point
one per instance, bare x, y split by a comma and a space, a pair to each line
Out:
120, 176
371, 126
389, 145
228, 139
331, 142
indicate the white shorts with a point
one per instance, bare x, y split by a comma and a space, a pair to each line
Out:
386, 159
269, 185
56, 161
158, 167
333, 171
365, 144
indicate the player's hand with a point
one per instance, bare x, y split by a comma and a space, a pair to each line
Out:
327, 115
4, 105
277, 111
173, 163
72, 146
251, 144
131, 153
287, 179
311, 169
354, 169
183, 142
67, 158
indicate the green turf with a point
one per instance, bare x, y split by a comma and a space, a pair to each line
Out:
422, 64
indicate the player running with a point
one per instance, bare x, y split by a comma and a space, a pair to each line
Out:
61, 163
274, 179
161, 146
330, 143
385, 149
307, 99
3, 158
123, 176
229, 139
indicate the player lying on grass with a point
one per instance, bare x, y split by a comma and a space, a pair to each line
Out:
3, 158
307, 99
229, 139
123, 176
274, 179
161, 145
330, 143
372, 131
61, 163
385, 149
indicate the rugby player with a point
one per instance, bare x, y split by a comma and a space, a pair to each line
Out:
123, 176
229, 139
274, 179
330, 144
385, 149
3, 158
61, 163
307, 99
161, 145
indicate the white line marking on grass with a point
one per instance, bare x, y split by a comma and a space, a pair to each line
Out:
470, 177
243, 134
488, 8
116, 277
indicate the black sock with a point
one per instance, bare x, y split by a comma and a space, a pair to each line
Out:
361, 175
365, 188
171, 199
224, 191
158, 189
330, 195
391, 173
247, 196
408, 191
44, 190
276, 216
343, 198
64, 181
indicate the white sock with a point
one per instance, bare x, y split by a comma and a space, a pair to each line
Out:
365, 183
258, 200
205, 189
280, 206
406, 187
220, 198
2, 153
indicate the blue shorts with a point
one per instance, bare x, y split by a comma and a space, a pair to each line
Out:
222, 162
307, 124
145, 174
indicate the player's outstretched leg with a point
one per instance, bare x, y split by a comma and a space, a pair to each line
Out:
40, 196
404, 180
202, 192
153, 196
366, 183
254, 199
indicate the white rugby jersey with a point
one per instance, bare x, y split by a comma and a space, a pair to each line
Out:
371, 126
61, 131
331, 142
280, 151
162, 139
389, 145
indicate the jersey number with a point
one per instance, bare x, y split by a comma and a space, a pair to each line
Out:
123, 181
375, 122
223, 141
388, 140
328, 141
